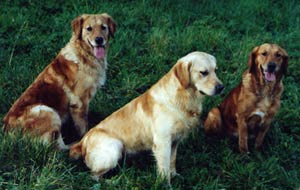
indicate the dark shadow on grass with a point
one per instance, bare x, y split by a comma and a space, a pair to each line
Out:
68, 131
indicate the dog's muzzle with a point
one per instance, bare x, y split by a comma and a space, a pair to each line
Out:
219, 88
269, 73
99, 47
99, 41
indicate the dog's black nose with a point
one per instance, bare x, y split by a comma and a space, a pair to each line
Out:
271, 67
99, 40
219, 88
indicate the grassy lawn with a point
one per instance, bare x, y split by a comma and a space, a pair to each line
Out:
150, 37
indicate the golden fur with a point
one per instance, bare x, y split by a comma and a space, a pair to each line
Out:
65, 87
250, 107
157, 120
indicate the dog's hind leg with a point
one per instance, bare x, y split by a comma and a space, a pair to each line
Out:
213, 122
102, 154
44, 122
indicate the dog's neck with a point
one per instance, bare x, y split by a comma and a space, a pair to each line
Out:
170, 91
260, 87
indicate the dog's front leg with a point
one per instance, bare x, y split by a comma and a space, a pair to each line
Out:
266, 125
173, 158
79, 115
243, 135
162, 153
261, 134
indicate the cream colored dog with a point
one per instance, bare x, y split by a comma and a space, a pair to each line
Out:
157, 120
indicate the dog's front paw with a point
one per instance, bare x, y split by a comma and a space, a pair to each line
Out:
175, 174
244, 150
95, 177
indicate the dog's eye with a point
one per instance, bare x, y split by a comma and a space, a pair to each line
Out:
89, 28
264, 53
103, 27
204, 73
278, 55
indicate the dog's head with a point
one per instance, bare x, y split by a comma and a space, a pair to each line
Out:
197, 70
94, 32
268, 61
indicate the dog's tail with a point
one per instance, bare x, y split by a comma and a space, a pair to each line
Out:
213, 122
76, 151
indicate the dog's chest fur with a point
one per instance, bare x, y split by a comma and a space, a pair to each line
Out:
90, 78
183, 106
187, 116
261, 97
91, 73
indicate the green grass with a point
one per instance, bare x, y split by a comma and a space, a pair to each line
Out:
150, 37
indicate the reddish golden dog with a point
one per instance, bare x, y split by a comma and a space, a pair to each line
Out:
66, 86
250, 107
157, 120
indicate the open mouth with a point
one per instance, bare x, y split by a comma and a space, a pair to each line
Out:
269, 76
99, 51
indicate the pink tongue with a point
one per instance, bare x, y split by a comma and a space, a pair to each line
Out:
99, 52
269, 76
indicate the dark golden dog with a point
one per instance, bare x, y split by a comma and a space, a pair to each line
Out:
250, 107
66, 86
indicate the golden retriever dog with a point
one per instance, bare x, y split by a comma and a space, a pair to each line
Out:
249, 108
66, 86
157, 120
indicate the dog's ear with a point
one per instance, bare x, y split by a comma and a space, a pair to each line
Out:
251, 60
111, 24
285, 61
182, 73
77, 24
